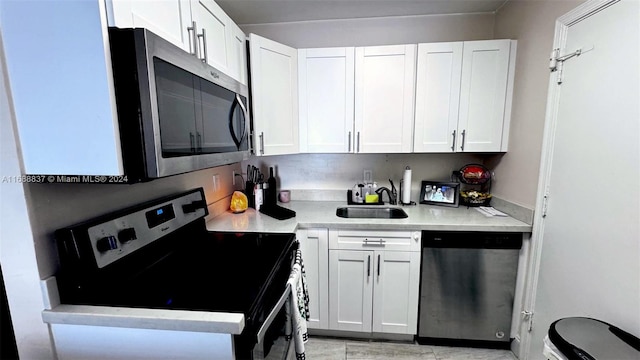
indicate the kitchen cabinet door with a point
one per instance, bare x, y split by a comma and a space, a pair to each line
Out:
274, 87
237, 55
314, 244
325, 80
384, 98
437, 96
350, 290
168, 19
485, 95
395, 294
213, 31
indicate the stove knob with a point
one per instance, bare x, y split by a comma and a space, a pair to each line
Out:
107, 243
126, 235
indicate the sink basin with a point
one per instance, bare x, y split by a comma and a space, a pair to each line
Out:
371, 213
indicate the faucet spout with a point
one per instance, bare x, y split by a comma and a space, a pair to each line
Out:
393, 200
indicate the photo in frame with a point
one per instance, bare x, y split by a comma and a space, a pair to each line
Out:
439, 193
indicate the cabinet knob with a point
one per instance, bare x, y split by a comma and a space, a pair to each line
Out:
416, 236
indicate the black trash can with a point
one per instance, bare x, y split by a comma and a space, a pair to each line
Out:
581, 338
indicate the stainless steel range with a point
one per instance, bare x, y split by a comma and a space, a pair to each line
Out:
159, 255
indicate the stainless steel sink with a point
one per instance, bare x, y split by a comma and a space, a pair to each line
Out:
371, 213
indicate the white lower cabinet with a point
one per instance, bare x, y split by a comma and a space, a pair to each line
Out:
373, 290
314, 245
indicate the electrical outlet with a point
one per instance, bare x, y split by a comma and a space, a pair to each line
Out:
367, 176
216, 182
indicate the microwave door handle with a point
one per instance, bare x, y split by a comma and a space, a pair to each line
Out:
237, 101
272, 315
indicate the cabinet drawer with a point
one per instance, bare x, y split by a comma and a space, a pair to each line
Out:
374, 240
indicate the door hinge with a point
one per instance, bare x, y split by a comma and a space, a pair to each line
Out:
528, 316
556, 61
545, 204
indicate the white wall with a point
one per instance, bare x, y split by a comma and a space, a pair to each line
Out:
342, 171
17, 253
532, 23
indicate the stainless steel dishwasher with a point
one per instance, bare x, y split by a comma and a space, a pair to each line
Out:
467, 287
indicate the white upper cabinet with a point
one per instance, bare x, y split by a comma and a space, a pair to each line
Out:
274, 88
437, 96
200, 27
485, 95
463, 96
213, 32
237, 56
384, 98
168, 19
325, 79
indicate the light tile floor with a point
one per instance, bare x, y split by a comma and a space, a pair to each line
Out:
318, 348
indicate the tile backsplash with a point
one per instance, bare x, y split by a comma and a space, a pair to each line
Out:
342, 171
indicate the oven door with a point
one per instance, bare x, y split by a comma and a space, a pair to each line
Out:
273, 344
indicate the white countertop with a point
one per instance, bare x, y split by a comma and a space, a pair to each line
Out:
309, 214
314, 214
137, 318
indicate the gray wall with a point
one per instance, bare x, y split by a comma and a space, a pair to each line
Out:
341, 171
532, 23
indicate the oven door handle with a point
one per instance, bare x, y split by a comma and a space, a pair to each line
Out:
272, 315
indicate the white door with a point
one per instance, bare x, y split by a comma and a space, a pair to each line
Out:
274, 86
395, 292
168, 19
384, 98
325, 78
437, 97
350, 290
314, 244
483, 95
213, 29
587, 244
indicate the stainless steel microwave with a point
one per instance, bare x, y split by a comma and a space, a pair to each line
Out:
175, 113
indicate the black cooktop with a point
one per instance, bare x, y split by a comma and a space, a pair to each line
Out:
206, 271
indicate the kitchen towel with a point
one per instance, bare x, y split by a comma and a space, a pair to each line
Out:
297, 308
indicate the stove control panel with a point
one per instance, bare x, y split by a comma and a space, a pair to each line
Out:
122, 235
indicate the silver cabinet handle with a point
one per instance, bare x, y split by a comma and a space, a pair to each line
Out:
203, 36
198, 142
378, 266
462, 145
368, 265
193, 46
192, 141
358, 143
349, 141
262, 143
453, 145
375, 242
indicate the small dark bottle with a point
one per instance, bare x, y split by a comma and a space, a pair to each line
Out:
272, 194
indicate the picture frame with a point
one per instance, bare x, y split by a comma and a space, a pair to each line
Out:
440, 193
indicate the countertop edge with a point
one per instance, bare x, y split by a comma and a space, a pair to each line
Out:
141, 318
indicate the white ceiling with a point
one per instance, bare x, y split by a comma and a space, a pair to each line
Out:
273, 11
